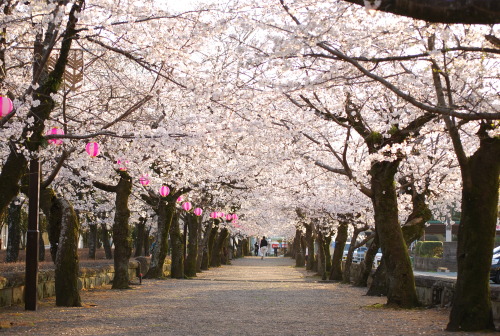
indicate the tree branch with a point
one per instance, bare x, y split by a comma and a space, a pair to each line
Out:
451, 11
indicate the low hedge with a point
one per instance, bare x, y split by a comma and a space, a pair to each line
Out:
429, 249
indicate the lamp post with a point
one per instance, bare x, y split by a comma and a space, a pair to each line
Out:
32, 236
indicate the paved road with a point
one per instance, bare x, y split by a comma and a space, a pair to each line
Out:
250, 297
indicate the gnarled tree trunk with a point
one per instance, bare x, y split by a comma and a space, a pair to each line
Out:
471, 308
400, 280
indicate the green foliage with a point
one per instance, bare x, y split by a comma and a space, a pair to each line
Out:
429, 249
375, 138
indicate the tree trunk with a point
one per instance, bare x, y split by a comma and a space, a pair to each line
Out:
327, 240
245, 248
165, 212
193, 236
401, 283
346, 276
207, 254
321, 255
14, 226
299, 255
147, 244
216, 260
225, 251
177, 241
310, 247
451, 11
92, 240
367, 264
471, 310
41, 247
139, 241
202, 245
66, 274
338, 251
105, 241
121, 232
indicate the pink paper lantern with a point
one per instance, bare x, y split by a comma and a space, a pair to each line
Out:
235, 217
55, 131
198, 211
229, 217
180, 199
220, 214
213, 215
164, 191
144, 180
5, 106
92, 149
121, 164
187, 206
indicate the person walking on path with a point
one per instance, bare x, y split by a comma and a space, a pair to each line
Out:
256, 248
263, 247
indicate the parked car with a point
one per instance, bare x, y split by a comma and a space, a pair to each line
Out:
359, 254
346, 250
495, 270
378, 258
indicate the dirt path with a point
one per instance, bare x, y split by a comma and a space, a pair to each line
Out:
250, 297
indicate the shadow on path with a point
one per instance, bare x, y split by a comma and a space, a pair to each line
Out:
249, 297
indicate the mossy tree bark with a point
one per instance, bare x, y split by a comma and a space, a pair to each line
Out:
412, 230
14, 226
121, 230
401, 289
177, 241
66, 274
193, 223
338, 251
471, 310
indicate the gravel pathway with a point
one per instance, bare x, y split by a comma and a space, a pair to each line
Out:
250, 297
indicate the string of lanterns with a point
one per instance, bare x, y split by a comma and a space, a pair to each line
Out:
93, 150
5, 106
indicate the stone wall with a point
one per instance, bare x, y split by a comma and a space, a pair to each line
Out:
448, 261
438, 291
12, 286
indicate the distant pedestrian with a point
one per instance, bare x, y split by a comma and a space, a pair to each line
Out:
263, 247
256, 248
275, 251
